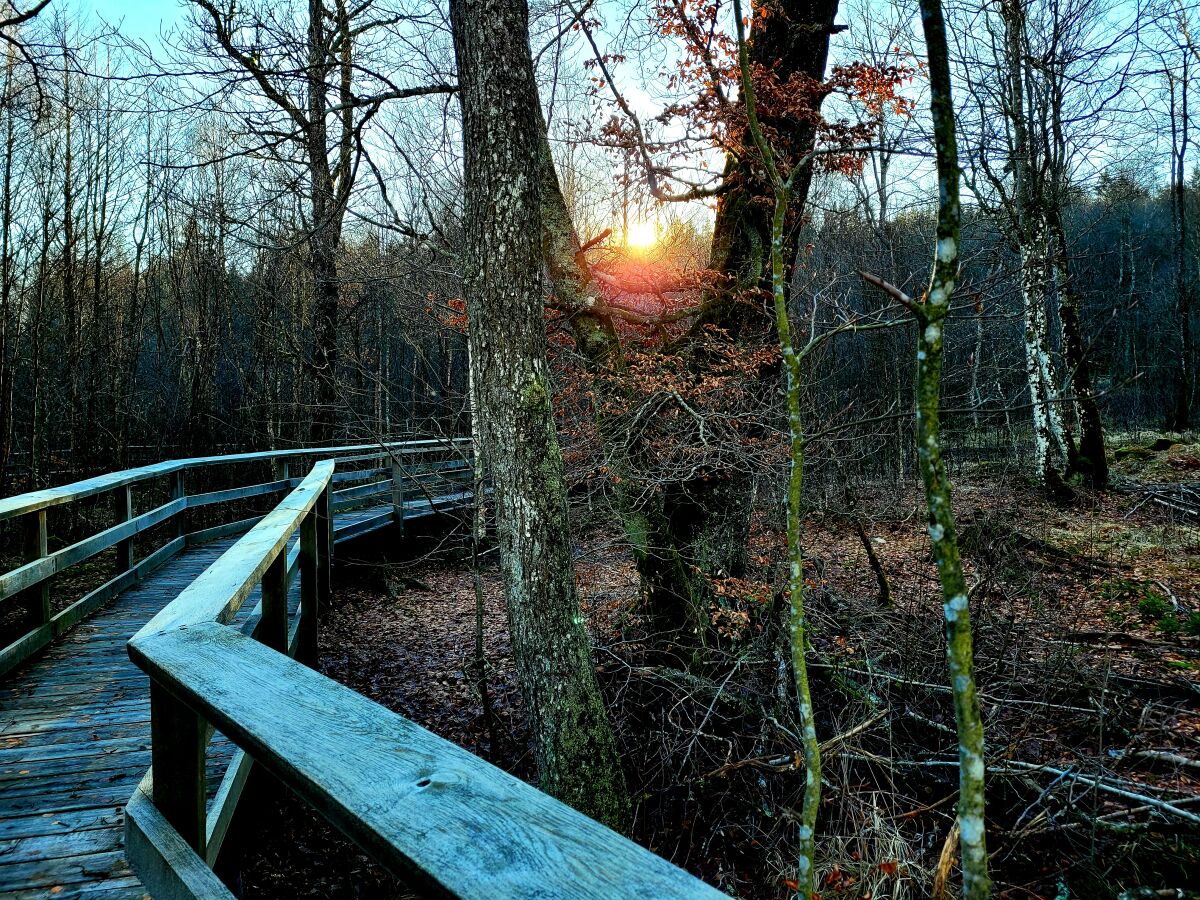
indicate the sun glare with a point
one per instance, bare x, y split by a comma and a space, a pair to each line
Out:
642, 235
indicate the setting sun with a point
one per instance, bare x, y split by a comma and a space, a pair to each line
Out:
642, 235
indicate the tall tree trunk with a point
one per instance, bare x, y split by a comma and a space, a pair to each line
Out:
1031, 236
704, 527
1050, 449
573, 740
7, 326
792, 41
931, 317
1179, 416
324, 237
1090, 460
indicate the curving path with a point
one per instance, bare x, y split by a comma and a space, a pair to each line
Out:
75, 734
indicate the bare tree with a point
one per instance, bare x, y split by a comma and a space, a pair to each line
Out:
322, 95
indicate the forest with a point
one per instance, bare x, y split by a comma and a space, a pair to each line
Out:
828, 374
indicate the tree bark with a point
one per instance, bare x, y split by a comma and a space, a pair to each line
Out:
1031, 236
792, 41
1179, 416
705, 522
1089, 459
326, 229
573, 740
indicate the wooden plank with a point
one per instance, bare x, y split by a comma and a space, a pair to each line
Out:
124, 888
325, 541
398, 496
220, 531
238, 493
406, 795
168, 867
273, 626
45, 874
35, 500
341, 477
224, 804
106, 817
364, 526
123, 499
22, 756
59, 846
36, 599
310, 587
363, 490
178, 741
179, 493
40, 569
222, 588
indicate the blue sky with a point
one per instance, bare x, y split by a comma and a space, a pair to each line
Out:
141, 19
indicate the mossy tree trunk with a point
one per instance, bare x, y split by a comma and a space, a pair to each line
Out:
705, 522
931, 316
783, 182
573, 739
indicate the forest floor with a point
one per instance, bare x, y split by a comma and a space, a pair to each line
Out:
1087, 623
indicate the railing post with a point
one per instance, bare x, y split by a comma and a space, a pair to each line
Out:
178, 491
310, 573
177, 739
281, 469
398, 494
273, 629
37, 598
124, 512
324, 548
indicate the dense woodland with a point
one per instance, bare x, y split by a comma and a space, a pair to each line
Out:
729, 294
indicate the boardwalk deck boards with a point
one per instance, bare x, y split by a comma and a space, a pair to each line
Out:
75, 739
215, 618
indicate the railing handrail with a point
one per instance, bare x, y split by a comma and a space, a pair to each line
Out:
27, 584
423, 807
219, 591
32, 501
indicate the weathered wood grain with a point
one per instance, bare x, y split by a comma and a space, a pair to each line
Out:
220, 591
75, 735
35, 500
406, 795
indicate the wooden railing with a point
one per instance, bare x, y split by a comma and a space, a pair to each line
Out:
432, 813
29, 583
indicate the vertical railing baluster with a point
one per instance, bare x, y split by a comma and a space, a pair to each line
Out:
124, 512
177, 739
310, 566
398, 492
325, 548
179, 491
273, 630
36, 599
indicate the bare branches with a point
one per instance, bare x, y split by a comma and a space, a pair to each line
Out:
896, 294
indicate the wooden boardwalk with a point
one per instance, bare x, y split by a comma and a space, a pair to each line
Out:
217, 629
75, 735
